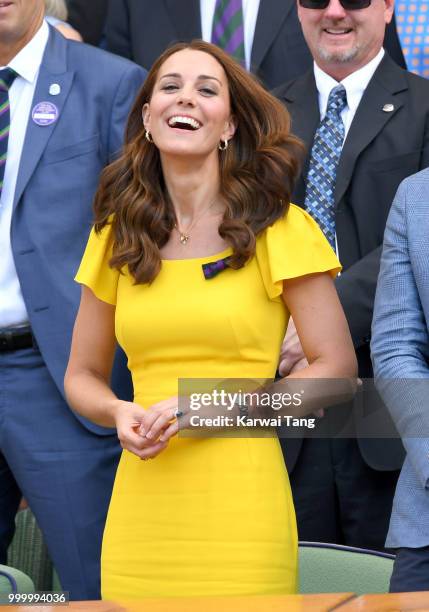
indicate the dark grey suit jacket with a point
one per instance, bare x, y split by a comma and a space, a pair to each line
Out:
88, 18
141, 29
381, 149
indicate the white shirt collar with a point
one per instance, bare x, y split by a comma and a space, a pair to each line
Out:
355, 84
27, 62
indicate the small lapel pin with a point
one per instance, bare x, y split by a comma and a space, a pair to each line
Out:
44, 114
388, 108
54, 89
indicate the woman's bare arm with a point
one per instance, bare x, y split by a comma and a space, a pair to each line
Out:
330, 376
88, 372
88, 375
322, 327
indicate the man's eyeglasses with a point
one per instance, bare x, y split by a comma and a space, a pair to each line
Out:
348, 5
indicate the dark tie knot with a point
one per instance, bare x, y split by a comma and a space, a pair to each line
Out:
337, 100
7, 77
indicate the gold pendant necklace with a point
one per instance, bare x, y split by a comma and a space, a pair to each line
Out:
184, 236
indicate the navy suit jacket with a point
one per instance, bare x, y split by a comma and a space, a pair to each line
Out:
142, 29
88, 17
58, 176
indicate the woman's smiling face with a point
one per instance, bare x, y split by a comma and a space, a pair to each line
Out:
189, 112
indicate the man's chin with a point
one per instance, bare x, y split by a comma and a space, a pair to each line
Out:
338, 56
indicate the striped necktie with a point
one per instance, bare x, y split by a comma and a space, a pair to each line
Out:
7, 76
322, 172
412, 18
228, 30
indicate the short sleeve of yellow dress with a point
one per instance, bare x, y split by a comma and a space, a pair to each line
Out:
94, 270
209, 516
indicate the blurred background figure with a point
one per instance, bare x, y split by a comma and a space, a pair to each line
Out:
88, 17
273, 45
412, 18
56, 14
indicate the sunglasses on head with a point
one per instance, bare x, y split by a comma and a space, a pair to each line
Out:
348, 5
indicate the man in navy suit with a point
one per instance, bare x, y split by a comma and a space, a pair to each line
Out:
88, 17
63, 110
275, 47
351, 478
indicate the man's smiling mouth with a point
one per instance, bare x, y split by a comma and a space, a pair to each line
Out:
337, 32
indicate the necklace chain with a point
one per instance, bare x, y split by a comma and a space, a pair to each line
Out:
184, 235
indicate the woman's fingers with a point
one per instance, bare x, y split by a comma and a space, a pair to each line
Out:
151, 414
130, 438
152, 451
162, 421
149, 419
149, 434
170, 431
133, 424
142, 447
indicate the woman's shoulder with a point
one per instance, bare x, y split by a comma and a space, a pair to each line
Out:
295, 219
293, 246
105, 233
95, 271
293, 230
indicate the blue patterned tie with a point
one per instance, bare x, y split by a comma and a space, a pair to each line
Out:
227, 29
7, 76
325, 155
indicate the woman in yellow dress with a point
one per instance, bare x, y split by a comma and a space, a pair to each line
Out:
195, 263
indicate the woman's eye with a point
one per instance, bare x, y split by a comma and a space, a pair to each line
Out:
208, 91
169, 87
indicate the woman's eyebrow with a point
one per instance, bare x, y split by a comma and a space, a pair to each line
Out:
201, 77
171, 74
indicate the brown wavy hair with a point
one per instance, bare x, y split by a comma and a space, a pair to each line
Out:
257, 174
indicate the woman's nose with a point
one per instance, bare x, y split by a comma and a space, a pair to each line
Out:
186, 98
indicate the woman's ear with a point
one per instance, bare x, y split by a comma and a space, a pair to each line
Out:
146, 116
230, 128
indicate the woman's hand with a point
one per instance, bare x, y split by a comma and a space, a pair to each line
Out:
160, 421
129, 421
292, 356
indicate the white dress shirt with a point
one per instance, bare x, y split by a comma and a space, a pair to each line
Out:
27, 64
250, 14
355, 85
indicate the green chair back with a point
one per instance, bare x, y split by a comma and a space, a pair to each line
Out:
14, 581
330, 568
28, 551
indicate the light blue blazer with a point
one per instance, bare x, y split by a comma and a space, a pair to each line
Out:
400, 353
58, 175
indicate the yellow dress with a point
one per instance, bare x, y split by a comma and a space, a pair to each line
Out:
208, 516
